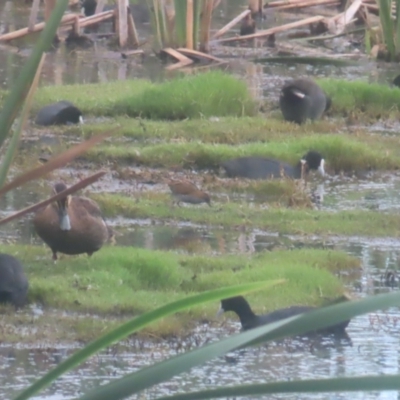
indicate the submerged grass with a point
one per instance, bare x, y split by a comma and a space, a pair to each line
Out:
243, 214
118, 281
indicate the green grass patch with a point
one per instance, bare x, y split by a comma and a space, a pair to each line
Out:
242, 214
207, 94
341, 152
124, 281
226, 130
374, 100
195, 96
94, 98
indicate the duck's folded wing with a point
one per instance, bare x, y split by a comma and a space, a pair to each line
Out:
81, 204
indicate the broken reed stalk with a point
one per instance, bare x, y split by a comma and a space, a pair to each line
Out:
274, 30
99, 6
303, 4
189, 24
132, 32
231, 24
123, 22
33, 15
255, 6
205, 25
67, 19
72, 189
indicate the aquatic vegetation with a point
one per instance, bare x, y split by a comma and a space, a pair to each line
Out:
195, 96
371, 99
123, 280
341, 152
241, 214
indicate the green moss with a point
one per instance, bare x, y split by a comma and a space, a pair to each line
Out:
241, 214
375, 100
123, 281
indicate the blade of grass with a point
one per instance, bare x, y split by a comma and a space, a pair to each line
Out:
12, 147
56, 162
72, 189
14, 100
355, 384
160, 372
134, 325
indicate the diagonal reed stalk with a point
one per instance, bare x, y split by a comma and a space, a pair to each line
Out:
387, 27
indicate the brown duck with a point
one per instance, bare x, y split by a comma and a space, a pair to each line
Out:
187, 192
72, 225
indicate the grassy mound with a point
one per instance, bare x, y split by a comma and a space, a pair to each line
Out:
195, 96
204, 95
375, 100
342, 153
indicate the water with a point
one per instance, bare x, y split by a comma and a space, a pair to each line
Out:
373, 347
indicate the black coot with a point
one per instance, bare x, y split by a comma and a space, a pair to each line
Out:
249, 320
266, 168
303, 99
60, 113
13, 282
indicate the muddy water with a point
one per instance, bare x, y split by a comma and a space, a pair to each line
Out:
373, 347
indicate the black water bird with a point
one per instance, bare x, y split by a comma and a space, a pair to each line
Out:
13, 282
302, 99
250, 320
265, 168
248, 25
60, 113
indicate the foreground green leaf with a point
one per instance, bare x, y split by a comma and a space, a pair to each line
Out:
15, 98
359, 383
160, 372
136, 324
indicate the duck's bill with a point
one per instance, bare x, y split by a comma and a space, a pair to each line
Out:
65, 222
321, 168
220, 312
81, 120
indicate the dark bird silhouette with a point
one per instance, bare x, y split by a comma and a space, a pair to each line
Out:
249, 320
303, 99
13, 282
265, 168
61, 113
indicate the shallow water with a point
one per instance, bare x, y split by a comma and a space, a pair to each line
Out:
374, 339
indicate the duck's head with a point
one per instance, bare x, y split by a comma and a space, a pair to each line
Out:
62, 207
235, 304
314, 160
